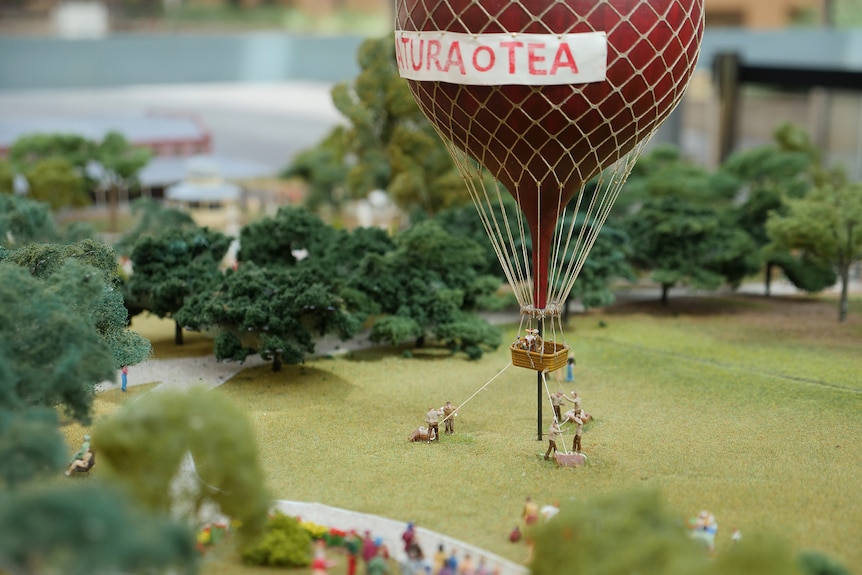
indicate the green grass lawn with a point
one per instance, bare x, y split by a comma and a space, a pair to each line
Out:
748, 407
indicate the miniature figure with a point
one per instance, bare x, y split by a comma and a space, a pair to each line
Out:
570, 368
557, 401
574, 399
575, 416
320, 565
377, 565
555, 436
449, 415
420, 434
82, 464
125, 376
353, 544
439, 558
85, 447
369, 549
704, 528
408, 537
530, 514
432, 418
533, 341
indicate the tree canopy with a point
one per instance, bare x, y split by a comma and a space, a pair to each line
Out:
171, 266
429, 286
826, 226
387, 143
275, 312
88, 529
633, 532
682, 243
765, 177
143, 448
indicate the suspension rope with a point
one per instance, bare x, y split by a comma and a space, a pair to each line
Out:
508, 365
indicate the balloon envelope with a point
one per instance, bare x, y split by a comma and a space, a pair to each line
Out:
544, 142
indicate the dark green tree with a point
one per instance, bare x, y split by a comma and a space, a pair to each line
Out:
683, 243
275, 312
106, 314
24, 221
278, 240
606, 263
825, 225
665, 173
171, 266
430, 286
765, 178
88, 529
152, 218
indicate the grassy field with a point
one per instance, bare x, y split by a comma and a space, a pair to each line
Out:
751, 408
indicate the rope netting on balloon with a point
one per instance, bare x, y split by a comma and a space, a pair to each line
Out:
562, 150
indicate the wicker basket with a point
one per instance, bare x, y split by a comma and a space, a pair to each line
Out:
554, 357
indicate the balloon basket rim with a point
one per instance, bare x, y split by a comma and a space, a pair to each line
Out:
547, 359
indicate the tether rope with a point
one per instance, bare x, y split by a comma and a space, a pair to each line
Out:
508, 365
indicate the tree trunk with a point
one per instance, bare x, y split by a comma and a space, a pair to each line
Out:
845, 284
665, 289
113, 208
276, 362
178, 333
768, 279
420, 342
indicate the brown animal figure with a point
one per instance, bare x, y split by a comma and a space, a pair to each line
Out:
421, 434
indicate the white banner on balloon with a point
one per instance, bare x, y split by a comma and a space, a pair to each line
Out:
500, 59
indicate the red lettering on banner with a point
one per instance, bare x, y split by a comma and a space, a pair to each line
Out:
564, 51
511, 47
454, 58
399, 54
533, 59
491, 58
416, 65
434, 49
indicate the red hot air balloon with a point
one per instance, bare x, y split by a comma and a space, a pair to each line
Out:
545, 94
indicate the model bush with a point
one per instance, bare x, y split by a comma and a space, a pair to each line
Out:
284, 544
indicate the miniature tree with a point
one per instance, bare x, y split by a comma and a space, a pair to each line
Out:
274, 312
120, 164
153, 218
88, 528
681, 242
387, 144
280, 239
171, 266
606, 263
826, 225
24, 221
765, 178
143, 446
633, 533
56, 181
105, 314
429, 285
